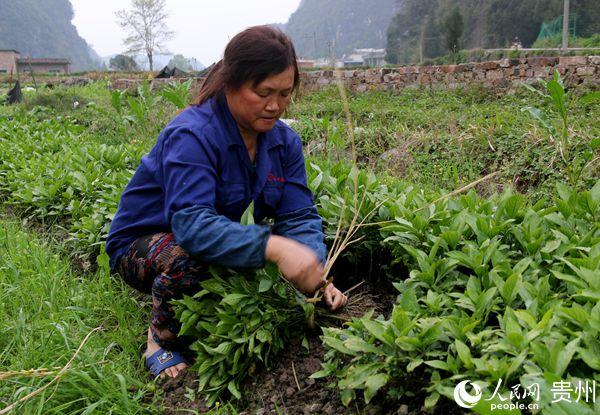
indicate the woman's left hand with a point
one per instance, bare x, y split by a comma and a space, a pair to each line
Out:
334, 298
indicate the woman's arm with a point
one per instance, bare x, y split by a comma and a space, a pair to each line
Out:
202, 232
189, 177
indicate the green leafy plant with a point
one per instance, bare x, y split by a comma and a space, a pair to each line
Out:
560, 137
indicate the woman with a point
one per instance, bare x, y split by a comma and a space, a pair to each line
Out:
181, 210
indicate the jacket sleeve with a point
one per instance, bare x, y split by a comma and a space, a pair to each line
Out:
189, 177
204, 233
304, 226
296, 217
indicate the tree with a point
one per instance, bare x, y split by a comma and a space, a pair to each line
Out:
146, 26
123, 63
405, 30
181, 62
452, 27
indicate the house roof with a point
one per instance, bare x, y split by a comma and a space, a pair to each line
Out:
354, 58
42, 61
9, 50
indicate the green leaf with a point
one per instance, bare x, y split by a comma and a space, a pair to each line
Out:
357, 344
510, 288
338, 345
373, 384
265, 285
464, 353
565, 356
413, 364
248, 215
551, 246
431, 400
264, 336
377, 329
305, 344
347, 395
438, 364
232, 387
233, 299
316, 182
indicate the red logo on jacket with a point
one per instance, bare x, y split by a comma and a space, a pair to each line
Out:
272, 178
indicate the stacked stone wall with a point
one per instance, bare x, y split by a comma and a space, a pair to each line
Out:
504, 73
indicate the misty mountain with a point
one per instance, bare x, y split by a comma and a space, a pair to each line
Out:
321, 27
43, 29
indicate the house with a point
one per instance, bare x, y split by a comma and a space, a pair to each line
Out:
306, 63
364, 57
11, 62
8, 60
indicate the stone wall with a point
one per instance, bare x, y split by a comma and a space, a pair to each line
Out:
504, 73
58, 68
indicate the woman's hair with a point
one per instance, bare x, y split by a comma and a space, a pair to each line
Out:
252, 55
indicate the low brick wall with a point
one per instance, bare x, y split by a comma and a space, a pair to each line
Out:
504, 73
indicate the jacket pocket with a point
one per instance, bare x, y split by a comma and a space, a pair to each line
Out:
272, 194
230, 194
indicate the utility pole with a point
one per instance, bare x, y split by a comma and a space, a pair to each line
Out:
422, 40
315, 43
565, 37
331, 57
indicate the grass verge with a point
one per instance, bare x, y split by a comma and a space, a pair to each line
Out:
47, 312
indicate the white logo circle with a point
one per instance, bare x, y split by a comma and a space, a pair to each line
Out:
464, 398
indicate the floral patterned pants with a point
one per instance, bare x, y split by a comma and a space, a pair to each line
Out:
156, 265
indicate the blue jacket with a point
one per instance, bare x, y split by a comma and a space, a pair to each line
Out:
198, 180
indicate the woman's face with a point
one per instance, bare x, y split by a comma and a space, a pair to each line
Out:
255, 108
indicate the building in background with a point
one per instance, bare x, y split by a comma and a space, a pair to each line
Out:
306, 63
11, 62
8, 60
364, 57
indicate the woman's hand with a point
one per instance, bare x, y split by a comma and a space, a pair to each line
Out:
334, 298
297, 263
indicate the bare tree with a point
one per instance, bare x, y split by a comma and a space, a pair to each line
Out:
146, 27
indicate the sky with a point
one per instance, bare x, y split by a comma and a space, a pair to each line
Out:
202, 27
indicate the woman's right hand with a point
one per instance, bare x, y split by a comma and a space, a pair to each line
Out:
297, 263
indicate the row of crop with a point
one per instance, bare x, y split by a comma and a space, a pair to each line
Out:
52, 170
499, 289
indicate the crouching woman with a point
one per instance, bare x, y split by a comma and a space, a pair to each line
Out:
181, 210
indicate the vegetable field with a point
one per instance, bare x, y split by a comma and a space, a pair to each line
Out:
465, 225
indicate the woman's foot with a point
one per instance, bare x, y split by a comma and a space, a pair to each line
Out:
153, 347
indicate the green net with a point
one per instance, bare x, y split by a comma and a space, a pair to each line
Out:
554, 27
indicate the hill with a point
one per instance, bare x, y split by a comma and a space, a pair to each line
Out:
342, 25
43, 29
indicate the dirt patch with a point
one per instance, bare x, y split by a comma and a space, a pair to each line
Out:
180, 395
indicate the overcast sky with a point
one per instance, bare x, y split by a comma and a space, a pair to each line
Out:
202, 27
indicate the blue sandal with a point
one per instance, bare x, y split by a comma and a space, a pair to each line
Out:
163, 359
